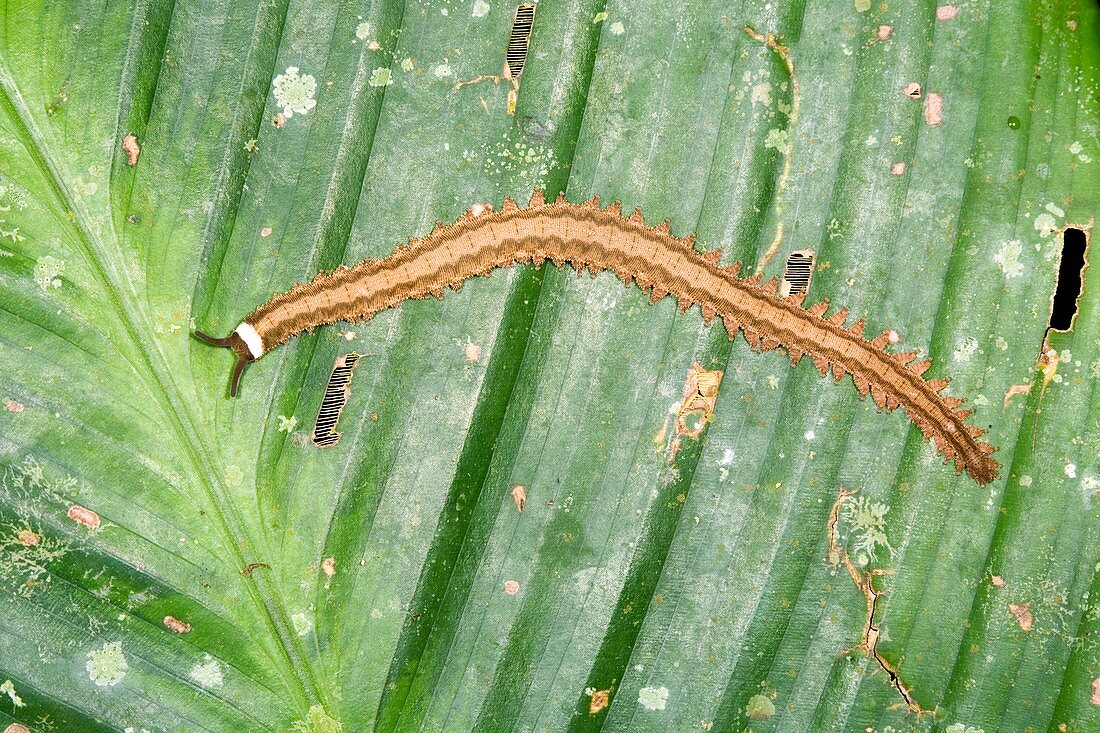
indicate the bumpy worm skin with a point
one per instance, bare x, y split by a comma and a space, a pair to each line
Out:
598, 239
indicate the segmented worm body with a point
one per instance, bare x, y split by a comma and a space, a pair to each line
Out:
598, 239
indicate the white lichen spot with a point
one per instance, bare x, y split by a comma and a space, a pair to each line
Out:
778, 139
981, 401
233, 474
773, 381
362, 31
1045, 224
408, 64
208, 673
48, 272
1008, 258
107, 666
481, 9
599, 17
762, 94
442, 71
862, 6
381, 77
287, 424
302, 624
317, 721
963, 728
760, 707
965, 350
809, 435
1025, 480
866, 520
617, 28
653, 698
8, 688
294, 93
1071, 470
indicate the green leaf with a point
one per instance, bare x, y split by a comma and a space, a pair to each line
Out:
173, 560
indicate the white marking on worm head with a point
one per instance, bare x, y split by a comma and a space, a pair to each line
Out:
252, 339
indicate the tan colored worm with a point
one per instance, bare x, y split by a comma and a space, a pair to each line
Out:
598, 239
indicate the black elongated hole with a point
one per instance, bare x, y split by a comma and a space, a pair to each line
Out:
1071, 269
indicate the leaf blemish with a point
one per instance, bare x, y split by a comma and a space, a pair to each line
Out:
84, 515
132, 149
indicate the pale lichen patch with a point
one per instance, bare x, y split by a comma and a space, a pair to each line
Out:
480, 9
107, 665
362, 31
294, 93
1008, 258
617, 28
653, 698
301, 623
381, 77
287, 424
7, 687
48, 272
208, 673
317, 721
759, 707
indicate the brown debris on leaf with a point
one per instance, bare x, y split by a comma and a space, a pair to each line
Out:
519, 496
599, 700
1022, 614
132, 149
174, 624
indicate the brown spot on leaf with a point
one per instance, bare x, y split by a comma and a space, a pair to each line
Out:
1015, 390
17, 728
28, 538
174, 624
1095, 699
254, 566
132, 149
84, 516
912, 90
266, 232
328, 566
1022, 614
884, 32
13, 406
946, 12
511, 587
898, 168
997, 581
519, 496
933, 109
279, 120
598, 701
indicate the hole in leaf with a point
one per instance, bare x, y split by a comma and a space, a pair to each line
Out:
1071, 269
520, 39
796, 276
